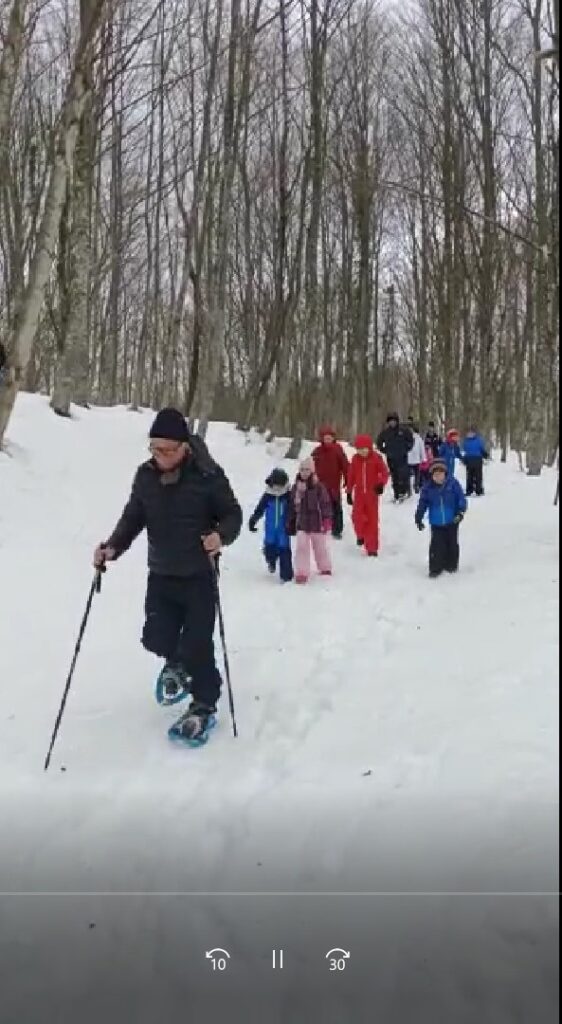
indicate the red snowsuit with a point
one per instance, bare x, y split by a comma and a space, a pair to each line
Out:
365, 475
331, 464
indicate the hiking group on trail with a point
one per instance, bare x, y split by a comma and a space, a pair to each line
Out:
184, 500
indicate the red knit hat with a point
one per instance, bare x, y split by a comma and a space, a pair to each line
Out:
452, 434
363, 441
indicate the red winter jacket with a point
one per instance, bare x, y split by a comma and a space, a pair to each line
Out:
366, 474
331, 465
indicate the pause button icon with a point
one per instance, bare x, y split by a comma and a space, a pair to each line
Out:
277, 959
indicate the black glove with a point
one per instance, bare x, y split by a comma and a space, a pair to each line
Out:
349, 498
252, 526
420, 524
379, 490
458, 518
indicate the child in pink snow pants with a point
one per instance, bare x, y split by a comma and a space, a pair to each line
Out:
311, 521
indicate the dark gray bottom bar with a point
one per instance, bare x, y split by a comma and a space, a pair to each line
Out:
142, 959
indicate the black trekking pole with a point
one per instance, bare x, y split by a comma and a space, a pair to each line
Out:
94, 589
216, 574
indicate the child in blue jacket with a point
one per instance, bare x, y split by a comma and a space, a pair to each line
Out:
275, 505
450, 451
443, 498
474, 452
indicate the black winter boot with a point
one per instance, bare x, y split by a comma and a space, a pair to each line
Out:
173, 684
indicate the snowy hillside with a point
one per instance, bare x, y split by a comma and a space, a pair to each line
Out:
396, 733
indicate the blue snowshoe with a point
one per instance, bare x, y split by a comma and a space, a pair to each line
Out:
194, 726
172, 685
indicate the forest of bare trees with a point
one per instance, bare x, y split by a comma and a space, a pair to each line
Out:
275, 212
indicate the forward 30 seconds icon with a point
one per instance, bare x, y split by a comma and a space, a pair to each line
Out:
337, 959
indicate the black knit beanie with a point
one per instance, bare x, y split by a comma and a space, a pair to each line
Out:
277, 478
170, 425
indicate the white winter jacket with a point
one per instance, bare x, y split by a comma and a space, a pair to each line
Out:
416, 455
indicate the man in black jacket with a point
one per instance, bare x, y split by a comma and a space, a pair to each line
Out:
433, 441
395, 441
184, 501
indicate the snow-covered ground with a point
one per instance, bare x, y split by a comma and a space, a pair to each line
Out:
396, 733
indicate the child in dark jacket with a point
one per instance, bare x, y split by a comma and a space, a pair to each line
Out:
311, 521
443, 498
432, 439
275, 505
474, 452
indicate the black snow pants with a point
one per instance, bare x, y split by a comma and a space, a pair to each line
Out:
275, 555
337, 517
180, 622
444, 549
474, 475
400, 476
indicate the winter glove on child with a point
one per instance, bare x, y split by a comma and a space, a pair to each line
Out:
349, 498
379, 490
420, 524
458, 518
252, 526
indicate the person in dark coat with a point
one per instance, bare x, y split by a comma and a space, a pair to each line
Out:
433, 440
444, 500
395, 441
275, 506
185, 502
474, 451
332, 466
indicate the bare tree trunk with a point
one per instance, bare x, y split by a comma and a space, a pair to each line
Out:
9, 69
536, 436
77, 94
234, 114
10, 62
72, 376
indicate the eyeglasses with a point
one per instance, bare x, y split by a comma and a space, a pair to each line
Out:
164, 450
